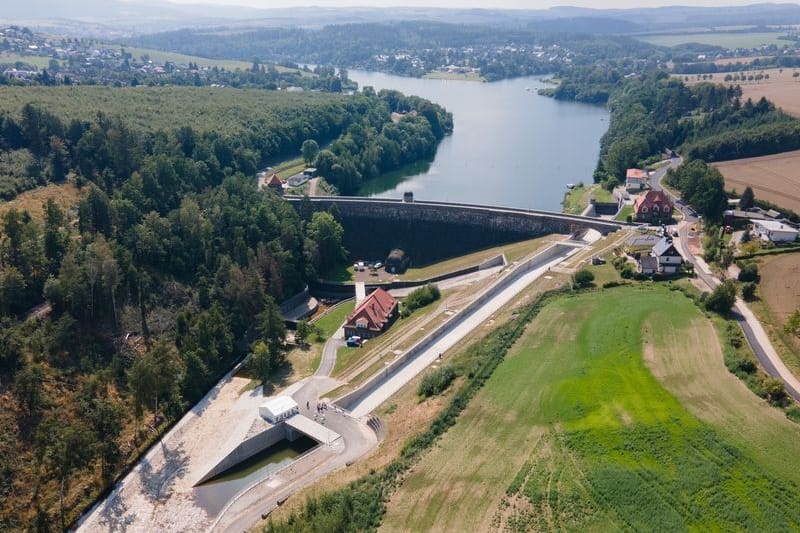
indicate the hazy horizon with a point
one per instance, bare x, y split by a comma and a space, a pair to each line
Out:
471, 4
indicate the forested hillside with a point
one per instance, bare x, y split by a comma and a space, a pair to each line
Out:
120, 313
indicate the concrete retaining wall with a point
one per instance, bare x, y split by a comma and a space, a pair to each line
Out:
249, 448
295, 301
352, 398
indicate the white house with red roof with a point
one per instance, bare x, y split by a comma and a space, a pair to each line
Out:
636, 179
652, 206
373, 315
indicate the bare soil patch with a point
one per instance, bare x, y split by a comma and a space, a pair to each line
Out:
774, 178
780, 284
65, 195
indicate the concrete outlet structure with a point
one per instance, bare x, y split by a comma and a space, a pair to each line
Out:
278, 419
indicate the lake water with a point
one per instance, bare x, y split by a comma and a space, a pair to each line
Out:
509, 147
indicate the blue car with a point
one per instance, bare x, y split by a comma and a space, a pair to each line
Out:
354, 342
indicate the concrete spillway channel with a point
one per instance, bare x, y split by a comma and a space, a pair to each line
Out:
405, 367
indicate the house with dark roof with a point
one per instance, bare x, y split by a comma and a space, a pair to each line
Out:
664, 258
652, 206
669, 258
373, 315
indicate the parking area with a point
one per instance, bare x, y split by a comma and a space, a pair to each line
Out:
371, 272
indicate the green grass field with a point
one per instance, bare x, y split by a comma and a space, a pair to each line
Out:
442, 75
575, 432
39, 61
625, 212
577, 199
725, 40
329, 323
160, 56
223, 110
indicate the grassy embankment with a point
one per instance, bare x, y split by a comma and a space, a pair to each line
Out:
513, 252
577, 199
624, 213
305, 360
613, 411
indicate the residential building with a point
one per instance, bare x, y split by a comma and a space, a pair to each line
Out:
663, 258
648, 264
653, 207
373, 315
636, 179
774, 231
669, 258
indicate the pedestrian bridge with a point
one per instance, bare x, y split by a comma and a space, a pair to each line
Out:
309, 427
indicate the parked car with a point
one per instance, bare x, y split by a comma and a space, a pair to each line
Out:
355, 341
378, 265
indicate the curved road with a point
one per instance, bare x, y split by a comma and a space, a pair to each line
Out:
754, 332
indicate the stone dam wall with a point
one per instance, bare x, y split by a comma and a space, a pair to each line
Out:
432, 231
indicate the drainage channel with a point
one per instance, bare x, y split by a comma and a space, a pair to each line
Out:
214, 494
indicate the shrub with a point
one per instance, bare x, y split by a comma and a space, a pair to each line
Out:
722, 298
420, 298
627, 271
436, 382
583, 278
748, 272
749, 291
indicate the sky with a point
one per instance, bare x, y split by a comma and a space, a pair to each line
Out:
497, 4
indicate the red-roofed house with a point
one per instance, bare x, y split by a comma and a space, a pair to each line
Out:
652, 206
275, 183
373, 316
636, 179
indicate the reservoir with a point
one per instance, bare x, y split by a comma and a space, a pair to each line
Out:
509, 147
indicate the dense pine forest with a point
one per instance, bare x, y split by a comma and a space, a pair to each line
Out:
120, 312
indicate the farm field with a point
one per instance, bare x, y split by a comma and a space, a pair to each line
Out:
223, 110
774, 178
161, 56
613, 411
725, 40
782, 88
742, 60
779, 296
39, 61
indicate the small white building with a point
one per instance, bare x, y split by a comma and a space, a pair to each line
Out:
774, 231
636, 179
278, 409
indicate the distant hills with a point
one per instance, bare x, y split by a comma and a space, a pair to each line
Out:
127, 18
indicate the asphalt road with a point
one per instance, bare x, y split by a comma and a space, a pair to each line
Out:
754, 332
